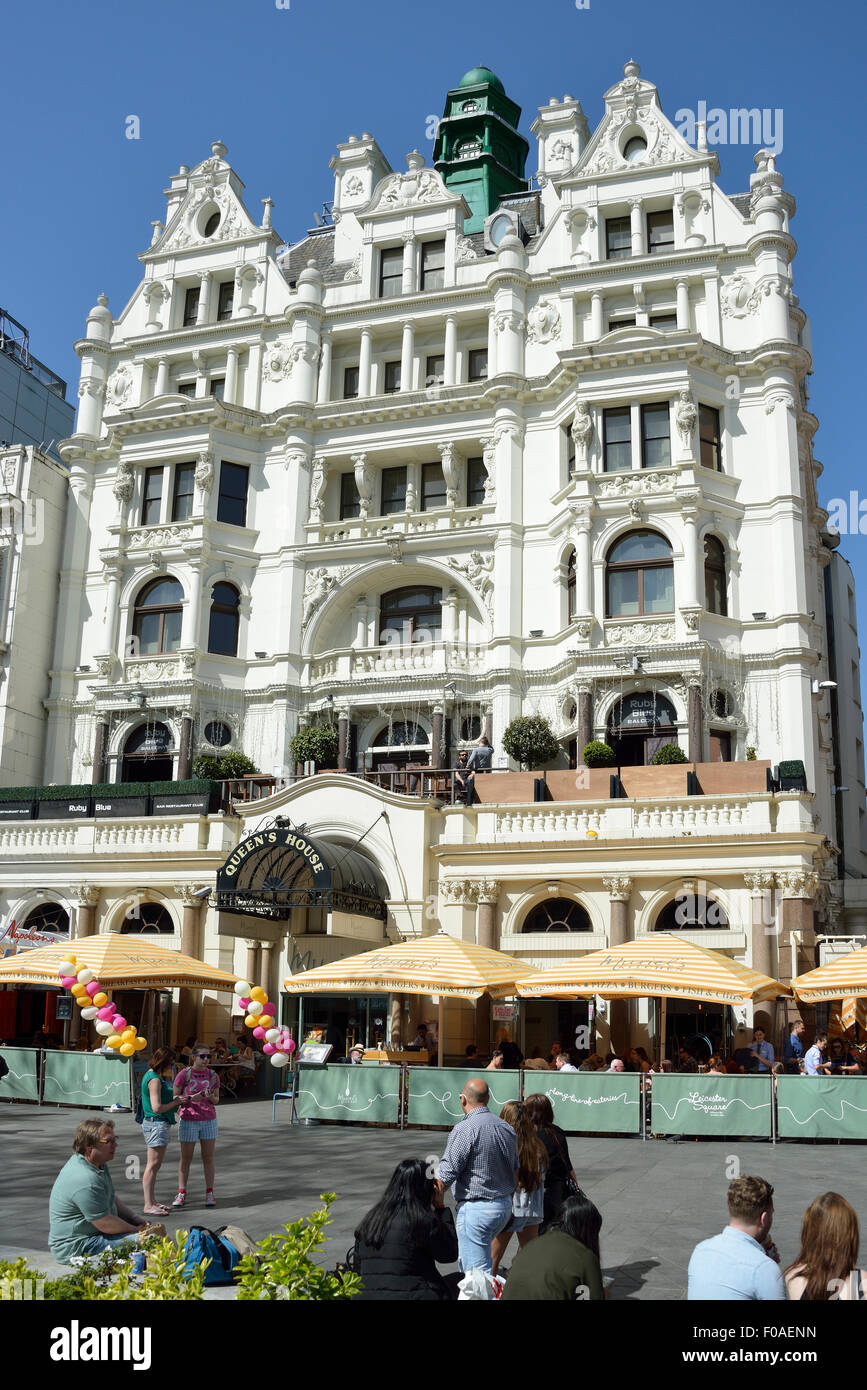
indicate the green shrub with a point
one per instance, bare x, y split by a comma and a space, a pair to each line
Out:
108, 1277
669, 753
751, 755
283, 1267
187, 788
793, 768
316, 744
598, 754
67, 793
18, 793
529, 740
119, 789
217, 768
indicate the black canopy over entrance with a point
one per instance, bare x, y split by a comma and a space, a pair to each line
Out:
279, 868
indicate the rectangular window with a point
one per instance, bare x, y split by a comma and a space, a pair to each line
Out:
433, 487
350, 504
182, 495
390, 272
618, 238
393, 491
623, 593
617, 440
433, 265
232, 501
434, 370
620, 321
225, 301
477, 367
191, 306
187, 388
152, 496
655, 440
663, 321
391, 378
476, 476
218, 387
660, 232
350, 383
709, 437
659, 590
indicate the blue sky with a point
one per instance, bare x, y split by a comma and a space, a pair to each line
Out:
281, 87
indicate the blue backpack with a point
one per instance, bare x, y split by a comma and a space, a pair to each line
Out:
203, 1244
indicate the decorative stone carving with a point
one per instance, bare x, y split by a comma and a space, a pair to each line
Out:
464, 250
318, 585
91, 387
151, 537
760, 883
489, 458
509, 319
354, 187
619, 887
450, 473
204, 475
691, 619
152, 670
639, 634
318, 484
417, 185
646, 483
739, 297
478, 571
685, 416
469, 891
119, 387
187, 233
364, 484
104, 665
124, 482
582, 433
799, 883
583, 628
86, 894
354, 271
561, 151
783, 398
190, 894
544, 322
280, 358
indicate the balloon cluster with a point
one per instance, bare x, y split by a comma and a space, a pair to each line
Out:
277, 1042
95, 1006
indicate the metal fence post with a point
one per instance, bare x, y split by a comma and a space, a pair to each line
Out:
773, 1109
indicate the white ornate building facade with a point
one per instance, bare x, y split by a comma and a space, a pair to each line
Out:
418, 479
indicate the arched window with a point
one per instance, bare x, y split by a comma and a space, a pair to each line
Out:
47, 917
570, 588
148, 917
401, 735
557, 915
471, 727
225, 618
715, 576
639, 576
692, 912
147, 754
157, 617
403, 613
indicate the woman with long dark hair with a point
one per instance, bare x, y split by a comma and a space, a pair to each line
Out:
559, 1173
563, 1264
528, 1200
401, 1239
827, 1266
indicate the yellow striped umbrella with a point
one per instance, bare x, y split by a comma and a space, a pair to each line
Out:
116, 960
842, 978
662, 965
439, 964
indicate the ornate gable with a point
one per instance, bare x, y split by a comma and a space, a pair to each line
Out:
213, 190
418, 187
632, 110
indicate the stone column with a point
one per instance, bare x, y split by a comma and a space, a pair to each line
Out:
596, 324
204, 299
682, 287
230, 387
436, 736
395, 1022
323, 390
100, 751
87, 897
696, 731
191, 945
162, 383
342, 739
799, 888
585, 718
364, 358
486, 892
266, 971
619, 890
689, 587
185, 751
407, 351
492, 346
451, 351
112, 575
636, 226
251, 969
583, 565
489, 726
764, 929
408, 280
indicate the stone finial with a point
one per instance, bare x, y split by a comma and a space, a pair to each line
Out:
218, 149
266, 215
415, 160
631, 69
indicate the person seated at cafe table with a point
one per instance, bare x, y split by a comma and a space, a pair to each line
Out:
565, 1063
356, 1055
814, 1058
716, 1066
840, 1059
535, 1061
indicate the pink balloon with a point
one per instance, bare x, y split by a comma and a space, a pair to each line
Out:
242, 1003
119, 1023
93, 988
68, 981
258, 1032
268, 1049
290, 1046
268, 1009
106, 1012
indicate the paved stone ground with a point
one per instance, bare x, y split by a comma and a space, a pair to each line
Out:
657, 1199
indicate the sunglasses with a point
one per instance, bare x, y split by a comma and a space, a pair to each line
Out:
203, 1056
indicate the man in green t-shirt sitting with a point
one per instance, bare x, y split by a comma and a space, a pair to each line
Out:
84, 1212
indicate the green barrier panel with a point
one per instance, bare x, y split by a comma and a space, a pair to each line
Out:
435, 1092
22, 1083
85, 1078
821, 1107
699, 1104
590, 1102
369, 1094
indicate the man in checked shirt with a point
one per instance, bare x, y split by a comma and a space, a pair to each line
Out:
480, 1163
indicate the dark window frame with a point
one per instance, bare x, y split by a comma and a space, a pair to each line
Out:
142, 610
477, 475
225, 300
350, 375
388, 371
224, 496
429, 272
472, 356
618, 253
654, 219
658, 407
146, 498
350, 505
638, 566
715, 566
388, 476
607, 415
192, 297
434, 378
710, 443
387, 282
184, 472
224, 609
431, 608
571, 587
439, 492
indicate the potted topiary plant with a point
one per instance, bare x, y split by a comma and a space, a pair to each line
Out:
598, 754
316, 744
793, 777
222, 767
530, 741
669, 753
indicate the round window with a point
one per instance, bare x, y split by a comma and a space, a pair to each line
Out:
217, 733
212, 224
635, 149
500, 227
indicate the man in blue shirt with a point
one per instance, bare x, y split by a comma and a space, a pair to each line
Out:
481, 1162
740, 1263
762, 1051
794, 1049
814, 1061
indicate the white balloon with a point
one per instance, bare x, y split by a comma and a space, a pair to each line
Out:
279, 1059
255, 1008
66, 967
89, 1012
104, 1028
242, 988
272, 1035
85, 977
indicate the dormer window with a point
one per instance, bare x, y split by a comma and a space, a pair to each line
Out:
635, 149
468, 149
212, 224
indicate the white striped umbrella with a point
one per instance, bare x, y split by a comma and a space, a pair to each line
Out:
117, 959
842, 978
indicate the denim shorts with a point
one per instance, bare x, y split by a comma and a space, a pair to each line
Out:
191, 1130
156, 1133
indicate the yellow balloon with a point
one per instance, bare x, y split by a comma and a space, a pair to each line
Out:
100, 1000
265, 1021
114, 1040
78, 990
259, 994
126, 1049
128, 1034
82, 1000
252, 1021
139, 1044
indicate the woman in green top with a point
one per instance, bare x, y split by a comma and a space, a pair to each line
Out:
563, 1264
158, 1107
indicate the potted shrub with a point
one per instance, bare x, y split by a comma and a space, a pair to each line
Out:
793, 777
16, 803
222, 767
194, 797
316, 744
669, 753
530, 741
119, 799
598, 754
